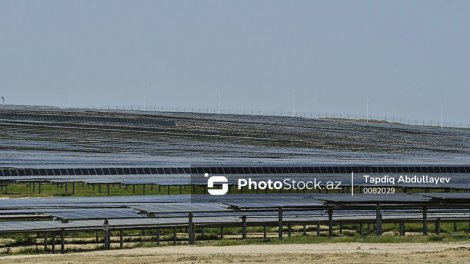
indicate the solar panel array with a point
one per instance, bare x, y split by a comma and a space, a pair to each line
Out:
330, 169
233, 170
22, 226
87, 119
208, 203
103, 202
172, 210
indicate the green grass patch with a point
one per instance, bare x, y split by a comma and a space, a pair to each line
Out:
342, 239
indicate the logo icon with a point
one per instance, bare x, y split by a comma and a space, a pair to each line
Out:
216, 180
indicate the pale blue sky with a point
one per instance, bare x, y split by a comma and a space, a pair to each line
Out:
408, 56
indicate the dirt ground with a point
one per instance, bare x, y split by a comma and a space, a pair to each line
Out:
287, 253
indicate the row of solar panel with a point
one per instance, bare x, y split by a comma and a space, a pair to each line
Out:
97, 119
232, 170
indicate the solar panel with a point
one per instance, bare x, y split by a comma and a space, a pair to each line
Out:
70, 117
247, 205
292, 202
181, 207
448, 196
372, 198
101, 213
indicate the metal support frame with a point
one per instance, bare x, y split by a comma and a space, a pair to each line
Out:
402, 228
62, 241
244, 227
53, 243
378, 220
175, 238
121, 239
107, 242
330, 222
425, 220
191, 233
45, 241
158, 236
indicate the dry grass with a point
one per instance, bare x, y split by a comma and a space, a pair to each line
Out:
286, 253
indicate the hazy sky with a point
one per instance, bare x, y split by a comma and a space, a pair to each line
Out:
408, 56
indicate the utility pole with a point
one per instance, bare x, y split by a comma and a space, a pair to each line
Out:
69, 97
220, 91
145, 99
293, 106
367, 109
442, 124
